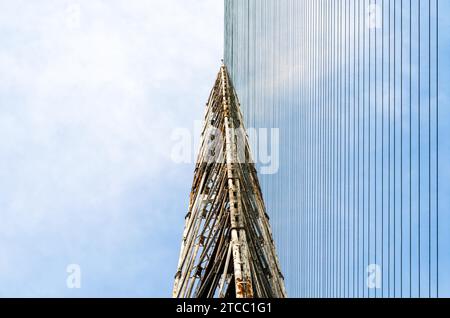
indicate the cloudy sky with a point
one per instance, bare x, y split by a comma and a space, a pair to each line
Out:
90, 93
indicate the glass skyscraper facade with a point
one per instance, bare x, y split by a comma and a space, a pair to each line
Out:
352, 86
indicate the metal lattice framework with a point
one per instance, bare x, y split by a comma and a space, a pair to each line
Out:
227, 248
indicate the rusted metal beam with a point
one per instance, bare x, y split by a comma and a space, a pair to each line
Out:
227, 248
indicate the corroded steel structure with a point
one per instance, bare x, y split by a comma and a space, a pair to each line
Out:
227, 249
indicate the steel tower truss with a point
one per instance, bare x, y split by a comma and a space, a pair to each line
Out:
227, 249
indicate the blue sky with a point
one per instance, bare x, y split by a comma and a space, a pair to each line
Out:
90, 92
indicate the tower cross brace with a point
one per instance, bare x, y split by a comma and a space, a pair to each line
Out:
227, 249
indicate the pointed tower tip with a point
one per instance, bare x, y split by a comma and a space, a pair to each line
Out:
223, 66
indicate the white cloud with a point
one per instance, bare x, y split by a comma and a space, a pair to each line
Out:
86, 116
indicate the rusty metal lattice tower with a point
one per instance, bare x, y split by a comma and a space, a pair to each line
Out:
227, 248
